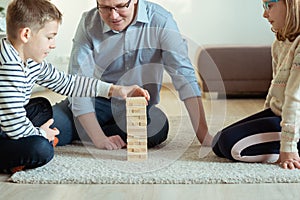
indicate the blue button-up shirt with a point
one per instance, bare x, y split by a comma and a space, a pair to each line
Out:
138, 55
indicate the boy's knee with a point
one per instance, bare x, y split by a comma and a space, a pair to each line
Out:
42, 150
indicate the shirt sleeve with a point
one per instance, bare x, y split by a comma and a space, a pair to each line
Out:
71, 85
177, 62
82, 63
291, 106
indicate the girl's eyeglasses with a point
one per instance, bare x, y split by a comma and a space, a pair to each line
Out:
266, 4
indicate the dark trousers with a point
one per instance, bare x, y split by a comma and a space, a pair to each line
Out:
253, 139
111, 115
32, 151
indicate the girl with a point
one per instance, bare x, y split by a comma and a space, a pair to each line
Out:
272, 135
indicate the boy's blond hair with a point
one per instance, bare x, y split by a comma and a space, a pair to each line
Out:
33, 14
291, 28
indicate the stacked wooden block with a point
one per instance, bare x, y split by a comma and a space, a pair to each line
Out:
136, 128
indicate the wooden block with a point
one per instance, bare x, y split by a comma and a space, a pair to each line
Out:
137, 142
137, 150
137, 157
136, 111
136, 129
135, 101
142, 119
135, 123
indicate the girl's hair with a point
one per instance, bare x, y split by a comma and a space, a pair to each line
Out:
291, 28
33, 14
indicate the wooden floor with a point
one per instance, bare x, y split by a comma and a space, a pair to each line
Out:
172, 106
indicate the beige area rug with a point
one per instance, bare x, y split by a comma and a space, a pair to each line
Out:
175, 162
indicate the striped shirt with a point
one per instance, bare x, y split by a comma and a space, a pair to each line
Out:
17, 80
284, 93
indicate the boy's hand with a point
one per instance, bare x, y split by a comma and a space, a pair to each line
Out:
51, 133
128, 91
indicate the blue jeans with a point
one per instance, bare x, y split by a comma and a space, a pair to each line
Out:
32, 151
111, 116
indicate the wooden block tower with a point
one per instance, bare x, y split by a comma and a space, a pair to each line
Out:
136, 128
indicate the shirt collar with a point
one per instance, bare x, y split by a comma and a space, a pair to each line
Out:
10, 54
141, 16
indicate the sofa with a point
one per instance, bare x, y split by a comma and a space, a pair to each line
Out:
234, 71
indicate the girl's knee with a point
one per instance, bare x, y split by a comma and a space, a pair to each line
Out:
223, 146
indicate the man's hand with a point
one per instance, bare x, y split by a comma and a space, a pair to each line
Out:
92, 127
207, 140
128, 91
111, 143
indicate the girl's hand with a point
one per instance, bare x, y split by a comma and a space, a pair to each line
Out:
289, 160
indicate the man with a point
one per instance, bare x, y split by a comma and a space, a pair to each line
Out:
126, 42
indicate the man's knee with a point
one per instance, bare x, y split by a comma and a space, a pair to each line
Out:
64, 122
159, 137
158, 127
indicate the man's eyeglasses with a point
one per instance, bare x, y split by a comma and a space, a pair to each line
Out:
118, 8
266, 4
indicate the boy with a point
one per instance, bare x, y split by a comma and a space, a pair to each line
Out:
25, 135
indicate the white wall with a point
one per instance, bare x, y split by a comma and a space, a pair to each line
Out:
72, 11
221, 21
3, 3
201, 21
